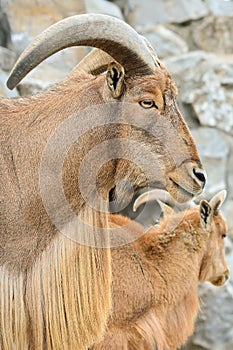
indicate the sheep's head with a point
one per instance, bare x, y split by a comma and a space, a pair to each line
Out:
161, 129
214, 267
210, 226
146, 93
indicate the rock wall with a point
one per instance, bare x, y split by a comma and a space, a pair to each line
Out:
194, 39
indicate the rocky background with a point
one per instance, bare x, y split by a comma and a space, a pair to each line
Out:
195, 40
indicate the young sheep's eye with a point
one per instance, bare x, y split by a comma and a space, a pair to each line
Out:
148, 104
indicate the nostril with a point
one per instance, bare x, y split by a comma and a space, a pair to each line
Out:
200, 175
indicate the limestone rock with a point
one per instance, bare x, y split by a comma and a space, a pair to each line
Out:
229, 140
167, 11
4, 91
184, 66
126, 6
213, 150
165, 42
214, 325
215, 34
32, 17
220, 7
5, 28
103, 6
216, 309
212, 103
45, 75
7, 58
205, 81
29, 18
32, 87
228, 210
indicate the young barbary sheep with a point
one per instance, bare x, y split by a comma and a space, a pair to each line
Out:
155, 278
55, 291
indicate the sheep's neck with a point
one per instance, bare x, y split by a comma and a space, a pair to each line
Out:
174, 259
174, 252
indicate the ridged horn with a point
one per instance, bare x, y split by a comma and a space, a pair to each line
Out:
96, 62
107, 33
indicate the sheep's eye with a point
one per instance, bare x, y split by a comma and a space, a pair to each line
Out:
148, 104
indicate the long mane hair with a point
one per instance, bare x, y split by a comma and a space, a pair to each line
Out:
62, 299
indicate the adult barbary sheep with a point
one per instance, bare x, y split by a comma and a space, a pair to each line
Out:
55, 293
154, 288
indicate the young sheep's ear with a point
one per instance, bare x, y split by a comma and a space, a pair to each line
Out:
115, 79
206, 213
217, 201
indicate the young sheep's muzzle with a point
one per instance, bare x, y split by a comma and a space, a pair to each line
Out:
221, 280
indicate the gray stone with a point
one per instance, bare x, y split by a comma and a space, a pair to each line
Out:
205, 81
103, 6
224, 70
211, 103
126, 6
31, 87
215, 34
185, 65
21, 41
214, 327
213, 150
167, 11
213, 100
7, 58
165, 42
5, 28
188, 113
214, 324
45, 75
229, 140
228, 210
4, 91
32, 17
221, 7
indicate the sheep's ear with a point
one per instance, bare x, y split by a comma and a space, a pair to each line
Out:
217, 201
206, 213
115, 79
166, 209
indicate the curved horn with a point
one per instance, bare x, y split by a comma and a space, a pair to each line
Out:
96, 62
161, 195
107, 33
217, 201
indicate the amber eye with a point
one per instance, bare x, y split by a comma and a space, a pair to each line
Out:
148, 104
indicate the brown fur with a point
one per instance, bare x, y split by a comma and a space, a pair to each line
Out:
55, 293
155, 297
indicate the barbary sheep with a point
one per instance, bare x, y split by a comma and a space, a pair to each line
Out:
55, 259
155, 278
